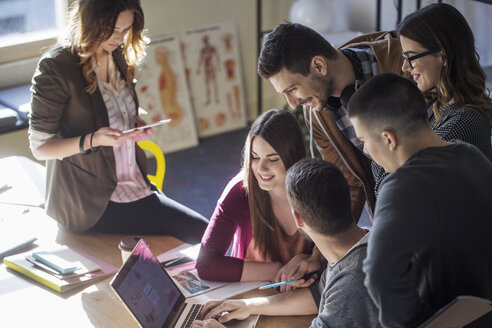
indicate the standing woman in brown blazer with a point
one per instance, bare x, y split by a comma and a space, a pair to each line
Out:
83, 97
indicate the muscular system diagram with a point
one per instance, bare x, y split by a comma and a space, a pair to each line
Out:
209, 59
168, 87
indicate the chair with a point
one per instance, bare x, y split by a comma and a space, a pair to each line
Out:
158, 178
459, 312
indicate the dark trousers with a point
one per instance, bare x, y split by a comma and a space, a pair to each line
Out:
154, 215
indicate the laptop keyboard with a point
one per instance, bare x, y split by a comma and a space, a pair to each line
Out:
192, 315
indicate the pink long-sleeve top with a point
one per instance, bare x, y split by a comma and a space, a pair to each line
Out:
231, 223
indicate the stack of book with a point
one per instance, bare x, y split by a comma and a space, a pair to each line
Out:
84, 268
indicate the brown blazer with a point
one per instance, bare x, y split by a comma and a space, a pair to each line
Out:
78, 187
334, 146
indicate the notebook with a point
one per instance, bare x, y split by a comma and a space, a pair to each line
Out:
151, 296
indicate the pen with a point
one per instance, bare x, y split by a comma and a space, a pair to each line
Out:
173, 262
170, 263
278, 284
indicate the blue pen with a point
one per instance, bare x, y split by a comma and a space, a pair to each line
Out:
278, 284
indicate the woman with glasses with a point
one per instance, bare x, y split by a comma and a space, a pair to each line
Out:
439, 51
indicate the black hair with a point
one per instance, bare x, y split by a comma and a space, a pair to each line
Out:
292, 46
319, 193
389, 102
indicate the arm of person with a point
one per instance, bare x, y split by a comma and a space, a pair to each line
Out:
50, 94
228, 217
296, 302
231, 214
402, 231
299, 266
213, 251
58, 148
259, 271
232, 268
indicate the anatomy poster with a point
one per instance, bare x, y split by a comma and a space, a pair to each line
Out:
212, 60
163, 92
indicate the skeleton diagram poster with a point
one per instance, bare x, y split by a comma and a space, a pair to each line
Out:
163, 92
212, 60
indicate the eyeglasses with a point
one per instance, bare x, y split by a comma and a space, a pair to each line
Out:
409, 59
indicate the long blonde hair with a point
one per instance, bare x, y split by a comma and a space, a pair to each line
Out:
92, 22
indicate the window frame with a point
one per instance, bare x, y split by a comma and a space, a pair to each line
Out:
34, 44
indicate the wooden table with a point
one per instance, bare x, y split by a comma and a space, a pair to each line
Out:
26, 303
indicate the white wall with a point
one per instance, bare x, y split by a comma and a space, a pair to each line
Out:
479, 16
168, 16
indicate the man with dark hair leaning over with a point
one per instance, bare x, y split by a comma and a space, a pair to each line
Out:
430, 240
320, 201
308, 71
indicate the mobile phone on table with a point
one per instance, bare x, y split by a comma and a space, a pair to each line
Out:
55, 262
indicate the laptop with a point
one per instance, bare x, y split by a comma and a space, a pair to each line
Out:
151, 296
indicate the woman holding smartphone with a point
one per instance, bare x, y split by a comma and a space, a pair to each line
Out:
83, 98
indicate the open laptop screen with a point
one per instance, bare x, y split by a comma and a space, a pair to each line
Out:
146, 289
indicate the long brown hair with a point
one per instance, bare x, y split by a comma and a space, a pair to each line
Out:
282, 131
92, 22
442, 27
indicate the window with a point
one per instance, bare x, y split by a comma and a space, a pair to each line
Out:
26, 26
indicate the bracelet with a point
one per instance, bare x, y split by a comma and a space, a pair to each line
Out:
81, 144
92, 135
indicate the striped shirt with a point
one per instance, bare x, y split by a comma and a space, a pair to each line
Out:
468, 125
121, 109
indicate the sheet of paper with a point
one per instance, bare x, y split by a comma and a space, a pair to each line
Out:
191, 252
173, 253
